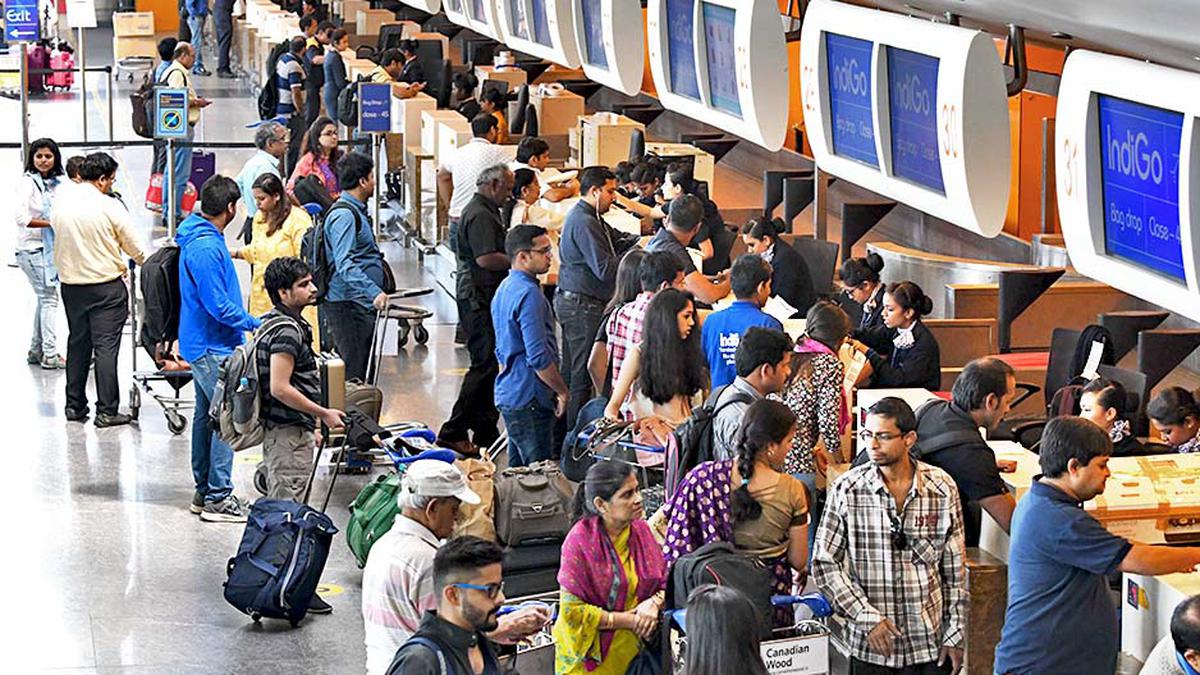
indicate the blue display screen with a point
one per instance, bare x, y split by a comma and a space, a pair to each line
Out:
477, 11
681, 48
541, 26
520, 26
850, 93
593, 34
1139, 178
722, 64
912, 109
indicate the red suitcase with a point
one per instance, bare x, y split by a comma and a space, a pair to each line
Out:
64, 78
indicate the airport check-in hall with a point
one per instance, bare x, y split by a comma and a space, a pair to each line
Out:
591, 337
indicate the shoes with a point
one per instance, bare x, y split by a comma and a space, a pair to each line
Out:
228, 510
319, 606
33, 358
74, 415
203, 72
197, 504
113, 420
226, 74
54, 363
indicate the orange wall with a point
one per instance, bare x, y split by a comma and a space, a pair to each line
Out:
166, 14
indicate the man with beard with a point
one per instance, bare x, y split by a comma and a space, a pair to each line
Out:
467, 576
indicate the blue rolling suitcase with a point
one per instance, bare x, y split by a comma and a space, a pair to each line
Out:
204, 166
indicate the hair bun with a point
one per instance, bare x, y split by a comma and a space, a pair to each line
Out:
926, 305
874, 262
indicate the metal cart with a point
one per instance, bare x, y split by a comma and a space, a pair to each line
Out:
144, 380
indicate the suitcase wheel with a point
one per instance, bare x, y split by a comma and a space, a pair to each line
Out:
256, 617
260, 478
421, 333
176, 423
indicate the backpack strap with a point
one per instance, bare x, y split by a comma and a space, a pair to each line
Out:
945, 439
738, 397
431, 646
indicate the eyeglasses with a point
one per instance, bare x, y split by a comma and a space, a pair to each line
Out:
899, 539
492, 590
545, 250
866, 436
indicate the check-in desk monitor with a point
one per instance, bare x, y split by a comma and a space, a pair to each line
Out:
913, 110
720, 62
611, 42
1125, 152
479, 16
541, 28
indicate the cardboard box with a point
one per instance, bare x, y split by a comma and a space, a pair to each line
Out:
558, 113
351, 8
431, 126
125, 47
369, 20
604, 138
133, 24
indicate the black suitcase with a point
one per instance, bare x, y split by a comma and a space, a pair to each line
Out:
531, 569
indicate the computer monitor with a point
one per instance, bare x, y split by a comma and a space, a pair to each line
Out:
477, 11
520, 23
541, 25
719, 52
851, 92
1139, 183
593, 34
681, 48
912, 111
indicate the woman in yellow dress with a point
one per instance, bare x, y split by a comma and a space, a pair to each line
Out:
278, 228
612, 576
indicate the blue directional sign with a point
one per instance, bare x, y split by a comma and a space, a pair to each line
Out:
850, 97
21, 20
170, 113
1139, 176
912, 98
374, 107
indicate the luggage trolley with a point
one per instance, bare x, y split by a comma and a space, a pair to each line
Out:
649, 461
800, 648
143, 380
536, 653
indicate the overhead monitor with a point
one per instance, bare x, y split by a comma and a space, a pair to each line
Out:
427, 6
681, 48
1126, 150
479, 16
612, 42
723, 63
913, 110
541, 28
851, 111
912, 113
1139, 183
720, 60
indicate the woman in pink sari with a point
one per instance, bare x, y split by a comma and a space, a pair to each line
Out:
612, 576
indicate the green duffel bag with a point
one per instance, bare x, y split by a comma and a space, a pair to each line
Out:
372, 514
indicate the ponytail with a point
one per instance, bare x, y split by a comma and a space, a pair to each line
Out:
764, 424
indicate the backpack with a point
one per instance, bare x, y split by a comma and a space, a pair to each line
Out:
315, 251
347, 103
160, 296
279, 560
141, 101
692, 442
719, 563
236, 409
533, 504
268, 98
443, 668
372, 514
577, 451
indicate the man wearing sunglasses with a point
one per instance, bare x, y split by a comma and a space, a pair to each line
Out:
889, 554
452, 638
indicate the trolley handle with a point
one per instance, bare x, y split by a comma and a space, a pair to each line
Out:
509, 609
815, 602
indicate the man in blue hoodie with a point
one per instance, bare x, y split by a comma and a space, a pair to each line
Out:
212, 321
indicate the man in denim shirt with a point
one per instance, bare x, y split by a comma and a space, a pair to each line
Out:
356, 286
530, 391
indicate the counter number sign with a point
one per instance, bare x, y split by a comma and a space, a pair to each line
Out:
170, 117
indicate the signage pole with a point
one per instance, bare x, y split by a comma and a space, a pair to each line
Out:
110, 104
24, 99
820, 213
377, 143
169, 185
82, 81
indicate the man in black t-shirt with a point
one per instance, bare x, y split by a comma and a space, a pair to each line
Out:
286, 362
482, 265
948, 437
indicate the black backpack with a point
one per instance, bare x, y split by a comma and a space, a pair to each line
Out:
142, 103
315, 251
720, 564
268, 98
347, 103
160, 293
693, 440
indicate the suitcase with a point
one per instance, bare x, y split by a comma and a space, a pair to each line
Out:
333, 381
533, 504
63, 79
154, 195
531, 569
204, 166
38, 58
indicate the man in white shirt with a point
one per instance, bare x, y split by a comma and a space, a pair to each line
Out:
459, 172
271, 139
178, 75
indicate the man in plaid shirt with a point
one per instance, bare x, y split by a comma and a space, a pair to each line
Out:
658, 270
889, 554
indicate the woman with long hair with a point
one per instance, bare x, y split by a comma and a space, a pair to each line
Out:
494, 103
321, 154
790, 278
1106, 404
861, 283
278, 228
668, 366
611, 577
35, 247
1176, 416
903, 352
747, 501
722, 632
629, 285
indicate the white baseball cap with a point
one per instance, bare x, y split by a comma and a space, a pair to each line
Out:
435, 478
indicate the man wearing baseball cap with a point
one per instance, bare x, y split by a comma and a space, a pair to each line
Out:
398, 577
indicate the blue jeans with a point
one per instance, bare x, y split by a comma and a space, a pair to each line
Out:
212, 458
43, 278
530, 433
816, 506
196, 25
181, 167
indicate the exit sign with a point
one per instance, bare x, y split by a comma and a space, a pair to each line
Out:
21, 21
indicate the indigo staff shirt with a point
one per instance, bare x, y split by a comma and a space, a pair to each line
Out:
722, 333
525, 342
1060, 616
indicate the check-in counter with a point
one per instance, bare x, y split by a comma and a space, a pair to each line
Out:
1146, 606
511, 76
703, 161
602, 139
557, 113
434, 122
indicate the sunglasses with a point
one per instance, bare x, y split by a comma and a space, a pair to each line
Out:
899, 539
492, 590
